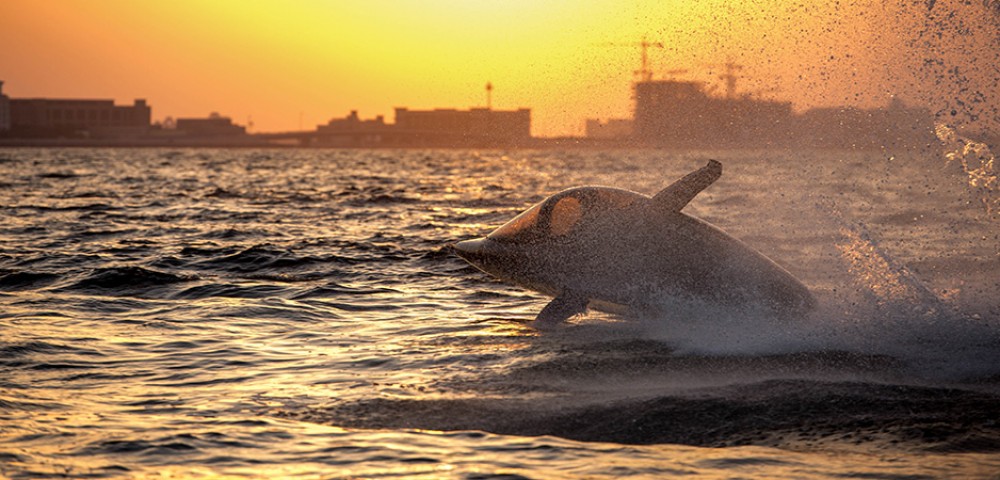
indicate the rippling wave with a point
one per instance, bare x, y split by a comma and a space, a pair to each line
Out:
298, 313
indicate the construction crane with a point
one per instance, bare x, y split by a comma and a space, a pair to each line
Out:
730, 77
679, 71
643, 73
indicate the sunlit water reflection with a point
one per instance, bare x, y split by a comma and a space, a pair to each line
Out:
296, 313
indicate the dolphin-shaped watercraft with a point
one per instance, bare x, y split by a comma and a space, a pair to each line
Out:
623, 252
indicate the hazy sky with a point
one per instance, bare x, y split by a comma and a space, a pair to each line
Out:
283, 62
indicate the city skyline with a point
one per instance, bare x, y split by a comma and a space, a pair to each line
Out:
282, 66
668, 114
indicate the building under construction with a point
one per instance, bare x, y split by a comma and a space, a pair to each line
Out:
680, 114
684, 114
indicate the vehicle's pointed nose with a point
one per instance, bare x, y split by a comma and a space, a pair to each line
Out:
488, 255
470, 249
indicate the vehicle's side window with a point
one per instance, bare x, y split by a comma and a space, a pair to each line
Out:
565, 215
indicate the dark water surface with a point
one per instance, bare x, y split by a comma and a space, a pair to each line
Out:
295, 313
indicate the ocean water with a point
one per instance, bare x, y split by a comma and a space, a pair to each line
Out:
297, 314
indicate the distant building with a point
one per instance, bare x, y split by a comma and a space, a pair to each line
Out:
44, 117
896, 125
4, 110
677, 114
478, 127
615, 128
214, 125
474, 128
353, 123
352, 131
673, 113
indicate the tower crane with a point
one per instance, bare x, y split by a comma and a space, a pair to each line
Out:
643, 73
729, 76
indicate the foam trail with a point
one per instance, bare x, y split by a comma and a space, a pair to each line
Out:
874, 306
873, 302
902, 317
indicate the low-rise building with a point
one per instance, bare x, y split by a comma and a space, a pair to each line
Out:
46, 117
353, 123
214, 125
352, 131
473, 127
445, 127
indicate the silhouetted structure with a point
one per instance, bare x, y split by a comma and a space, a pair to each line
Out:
668, 114
474, 128
644, 73
44, 117
680, 114
214, 125
897, 124
4, 110
352, 131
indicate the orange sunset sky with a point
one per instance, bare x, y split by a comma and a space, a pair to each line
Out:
285, 62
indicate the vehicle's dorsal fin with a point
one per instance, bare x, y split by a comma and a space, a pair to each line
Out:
681, 192
561, 308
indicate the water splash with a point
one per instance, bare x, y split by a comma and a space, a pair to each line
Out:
883, 280
903, 317
978, 163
